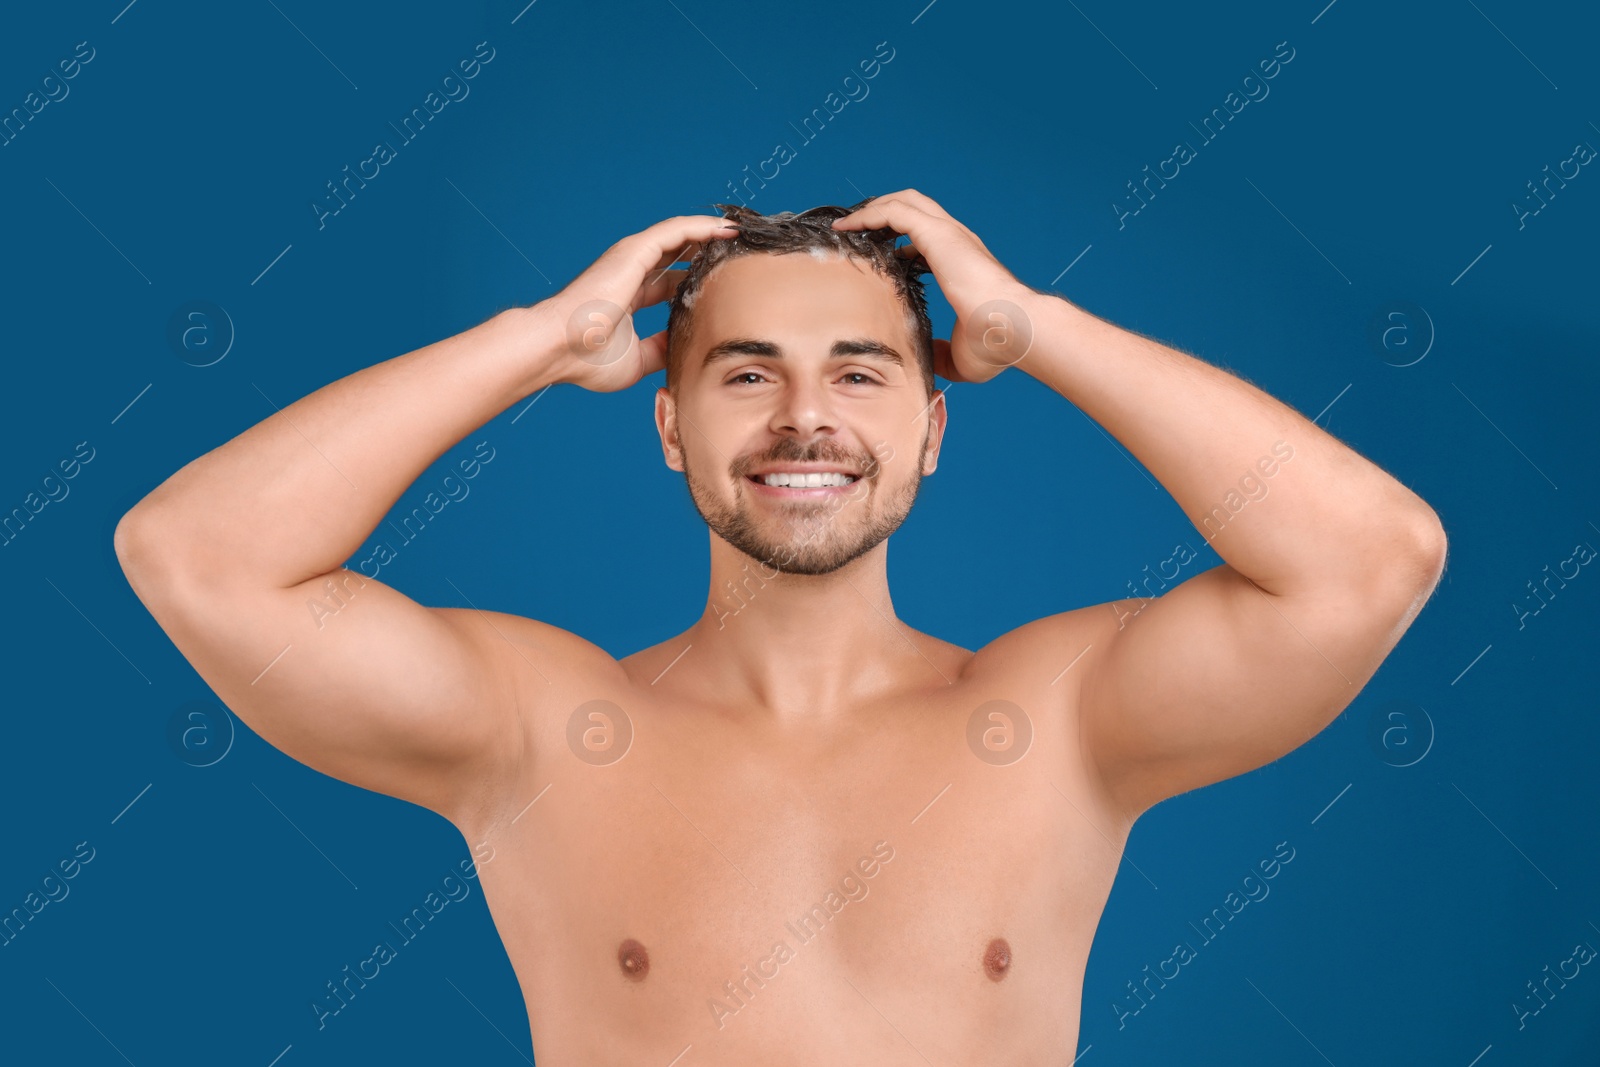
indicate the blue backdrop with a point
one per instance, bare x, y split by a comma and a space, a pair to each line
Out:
1394, 233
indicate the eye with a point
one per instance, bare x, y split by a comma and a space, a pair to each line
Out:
862, 378
866, 379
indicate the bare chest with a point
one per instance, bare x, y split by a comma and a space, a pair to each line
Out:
910, 885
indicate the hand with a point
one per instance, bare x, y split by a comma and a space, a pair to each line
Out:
598, 347
992, 330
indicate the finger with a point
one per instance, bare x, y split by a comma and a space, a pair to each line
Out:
653, 353
649, 253
664, 264
943, 365
682, 254
659, 286
876, 214
921, 201
932, 239
674, 237
896, 215
907, 197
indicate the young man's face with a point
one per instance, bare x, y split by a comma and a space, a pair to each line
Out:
788, 368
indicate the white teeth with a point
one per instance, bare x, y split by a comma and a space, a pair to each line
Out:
812, 480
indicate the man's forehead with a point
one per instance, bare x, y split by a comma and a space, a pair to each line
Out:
795, 295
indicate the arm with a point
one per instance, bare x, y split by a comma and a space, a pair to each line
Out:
228, 553
1327, 558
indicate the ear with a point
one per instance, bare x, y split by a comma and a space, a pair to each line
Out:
937, 417
667, 428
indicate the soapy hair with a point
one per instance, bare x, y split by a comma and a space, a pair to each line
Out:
812, 232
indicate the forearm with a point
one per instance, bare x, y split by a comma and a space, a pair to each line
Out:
1283, 502
296, 495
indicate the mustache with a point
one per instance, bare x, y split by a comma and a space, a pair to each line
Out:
868, 465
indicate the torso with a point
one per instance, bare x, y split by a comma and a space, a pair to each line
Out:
633, 893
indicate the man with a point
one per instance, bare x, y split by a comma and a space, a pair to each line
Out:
800, 832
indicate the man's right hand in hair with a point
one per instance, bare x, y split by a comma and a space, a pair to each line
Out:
600, 350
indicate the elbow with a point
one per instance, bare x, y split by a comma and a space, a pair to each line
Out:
151, 565
141, 548
1416, 559
1402, 572
1431, 547
132, 542
122, 538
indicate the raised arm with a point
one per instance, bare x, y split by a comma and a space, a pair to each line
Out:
1327, 558
230, 553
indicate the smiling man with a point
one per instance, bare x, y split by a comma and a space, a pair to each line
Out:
661, 838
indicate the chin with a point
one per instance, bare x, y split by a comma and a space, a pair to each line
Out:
815, 565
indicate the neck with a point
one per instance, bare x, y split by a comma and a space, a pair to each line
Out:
797, 646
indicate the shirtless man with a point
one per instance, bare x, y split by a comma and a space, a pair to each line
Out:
800, 832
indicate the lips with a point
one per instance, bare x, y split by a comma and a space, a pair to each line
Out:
777, 493
842, 475
802, 469
797, 491
782, 466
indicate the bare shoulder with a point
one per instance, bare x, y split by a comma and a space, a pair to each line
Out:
1054, 650
949, 659
1044, 666
528, 645
542, 674
649, 664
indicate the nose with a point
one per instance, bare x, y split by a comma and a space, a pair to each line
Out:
804, 409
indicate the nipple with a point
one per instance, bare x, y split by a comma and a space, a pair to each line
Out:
997, 959
633, 959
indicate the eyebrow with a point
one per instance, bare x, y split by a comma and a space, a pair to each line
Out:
855, 346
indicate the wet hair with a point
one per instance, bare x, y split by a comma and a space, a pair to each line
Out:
811, 232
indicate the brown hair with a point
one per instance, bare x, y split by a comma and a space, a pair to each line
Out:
788, 232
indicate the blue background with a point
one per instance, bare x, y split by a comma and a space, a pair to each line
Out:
1381, 168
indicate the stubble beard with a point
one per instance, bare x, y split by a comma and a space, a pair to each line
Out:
812, 538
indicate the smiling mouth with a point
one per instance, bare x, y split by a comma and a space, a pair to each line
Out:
803, 479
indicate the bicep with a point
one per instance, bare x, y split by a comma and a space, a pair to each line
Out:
1218, 677
356, 680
